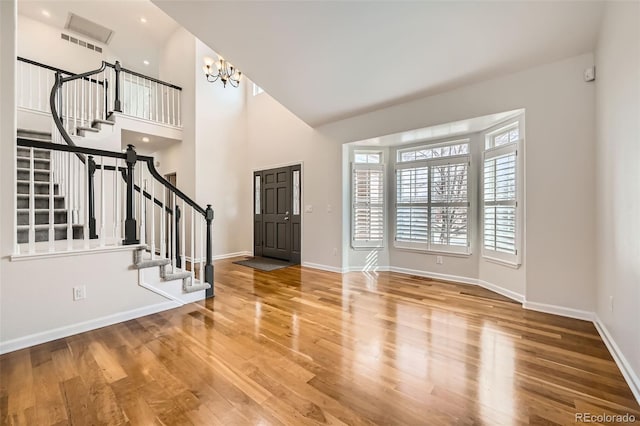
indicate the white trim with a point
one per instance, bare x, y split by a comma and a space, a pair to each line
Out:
501, 262
503, 291
322, 267
69, 330
78, 252
629, 375
434, 275
559, 310
277, 166
144, 120
229, 255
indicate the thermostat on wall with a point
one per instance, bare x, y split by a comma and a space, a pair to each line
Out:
590, 74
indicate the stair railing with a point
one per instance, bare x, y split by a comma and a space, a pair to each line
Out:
133, 219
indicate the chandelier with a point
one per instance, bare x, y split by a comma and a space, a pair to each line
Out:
223, 70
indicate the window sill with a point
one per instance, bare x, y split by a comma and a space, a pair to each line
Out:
433, 252
362, 248
502, 262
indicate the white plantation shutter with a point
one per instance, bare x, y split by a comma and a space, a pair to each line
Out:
432, 204
412, 198
500, 198
450, 205
368, 205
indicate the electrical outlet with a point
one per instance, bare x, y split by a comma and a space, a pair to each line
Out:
611, 303
80, 292
439, 260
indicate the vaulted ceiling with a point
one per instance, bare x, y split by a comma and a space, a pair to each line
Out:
326, 61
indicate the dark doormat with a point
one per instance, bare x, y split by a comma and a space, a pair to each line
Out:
264, 263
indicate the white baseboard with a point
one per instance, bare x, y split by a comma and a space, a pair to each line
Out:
627, 371
58, 333
559, 310
229, 255
503, 291
322, 267
434, 275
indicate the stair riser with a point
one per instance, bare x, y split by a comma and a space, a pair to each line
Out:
43, 234
39, 188
24, 153
27, 134
38, 165
41, 203
38, 175
42, 218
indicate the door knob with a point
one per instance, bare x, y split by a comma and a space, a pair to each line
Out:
286, 218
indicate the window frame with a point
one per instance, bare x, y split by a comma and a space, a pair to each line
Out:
428, 246
516, 147
368, 244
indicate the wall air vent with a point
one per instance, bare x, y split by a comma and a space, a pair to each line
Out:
82, 43
88, 28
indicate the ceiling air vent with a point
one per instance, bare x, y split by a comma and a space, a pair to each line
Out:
82, 43
88, 28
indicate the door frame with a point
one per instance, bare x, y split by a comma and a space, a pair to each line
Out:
302, 197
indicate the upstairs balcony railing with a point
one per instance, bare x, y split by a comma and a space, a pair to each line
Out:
113, 89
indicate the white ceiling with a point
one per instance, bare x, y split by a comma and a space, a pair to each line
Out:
440, 131
155, 143
326, 61
132, 40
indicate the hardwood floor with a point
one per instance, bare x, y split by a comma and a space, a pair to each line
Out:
299, 346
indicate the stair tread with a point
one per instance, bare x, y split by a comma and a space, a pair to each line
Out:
46, 226
27, 169
148, 263
197, 286
35, 182
26, 209
33, 132
42, 160
40, 196
87, 129
176, 276
99, 121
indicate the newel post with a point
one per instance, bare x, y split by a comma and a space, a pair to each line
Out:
208, 268
117, 104
130, 228
92, 198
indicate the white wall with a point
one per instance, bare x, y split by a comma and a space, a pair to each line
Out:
176, 67
618, 178
223, 178
42, 43
277, 137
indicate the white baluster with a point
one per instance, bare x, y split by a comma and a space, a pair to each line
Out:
172, 243
39, 90
116, 204
163, 221
75, 107
156, 85
162, 102
179, 106
97, 85
201, 275
51, 207
193, 246
32, 214
68, 199
173, 106
82, 105
85, 210
89, 101
30, 86
137, 95
143, 204
102, 204
183, 248
152, 236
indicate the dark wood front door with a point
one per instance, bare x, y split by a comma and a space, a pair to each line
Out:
277, 224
